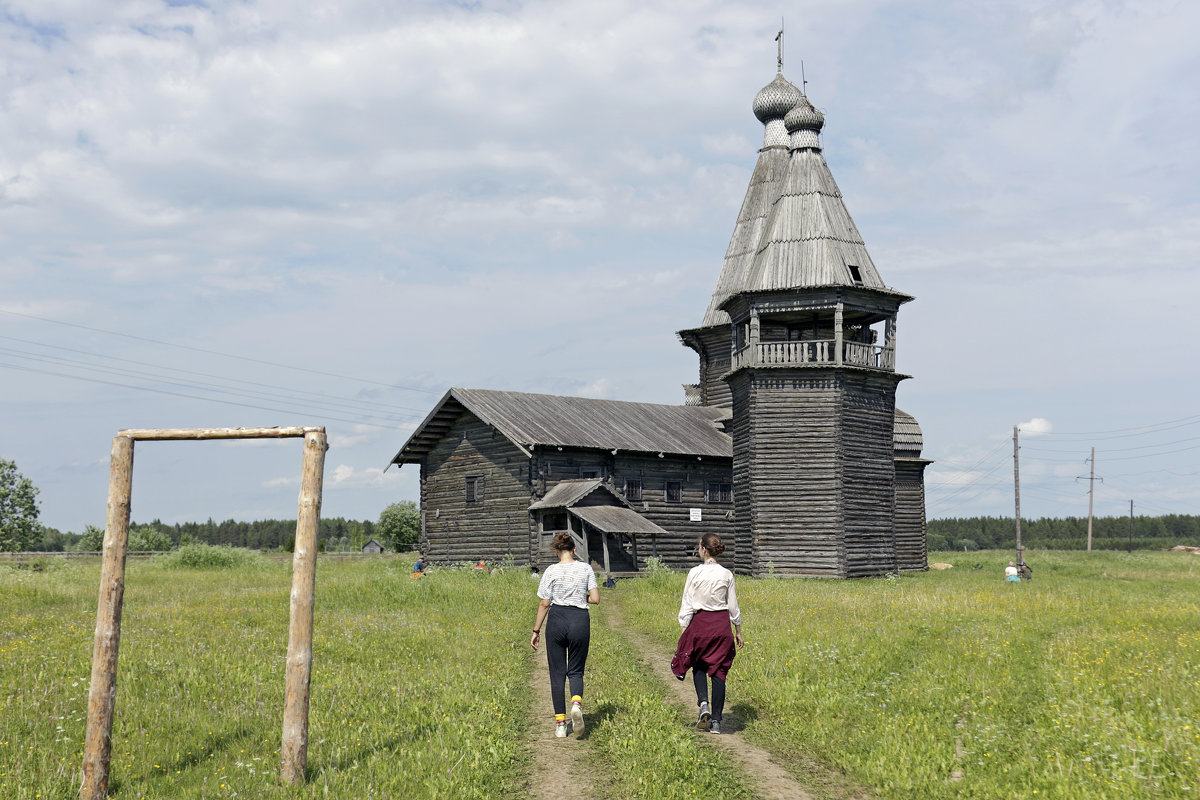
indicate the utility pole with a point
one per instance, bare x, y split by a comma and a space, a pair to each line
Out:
1091, 488
1130, 526
1017, 488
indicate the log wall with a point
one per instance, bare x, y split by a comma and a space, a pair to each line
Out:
677, 548
814, 472
866, 438
911, 552
713, 347
786, 466
498, 522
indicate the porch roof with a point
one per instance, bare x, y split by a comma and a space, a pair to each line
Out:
615, 519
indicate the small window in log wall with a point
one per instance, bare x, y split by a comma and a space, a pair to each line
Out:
720, 493
474, 489
555, 521
633, 489
588, 473
674, 492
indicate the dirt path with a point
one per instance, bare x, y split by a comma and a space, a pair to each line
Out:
559, 765
767, 777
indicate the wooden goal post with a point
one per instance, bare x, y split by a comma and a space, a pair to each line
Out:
97, 749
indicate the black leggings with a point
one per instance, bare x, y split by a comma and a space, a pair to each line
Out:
700, 677
568, 633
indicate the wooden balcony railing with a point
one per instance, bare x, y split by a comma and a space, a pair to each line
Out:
821, 352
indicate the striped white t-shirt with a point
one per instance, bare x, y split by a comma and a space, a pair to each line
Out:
567, 584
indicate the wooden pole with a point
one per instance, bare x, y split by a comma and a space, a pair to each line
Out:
1130, 526
102, 694
837, 334
294, 751
1091, 489
1017, 485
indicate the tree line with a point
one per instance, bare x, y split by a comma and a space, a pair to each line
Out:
396, 529
1070, 533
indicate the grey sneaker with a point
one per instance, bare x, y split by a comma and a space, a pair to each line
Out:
714, 726
702, 721
577, 717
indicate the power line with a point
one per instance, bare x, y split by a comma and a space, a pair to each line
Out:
320, 398
1140, 430
219, 353
192, 397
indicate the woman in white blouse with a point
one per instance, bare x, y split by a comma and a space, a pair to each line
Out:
708, 609
565, 591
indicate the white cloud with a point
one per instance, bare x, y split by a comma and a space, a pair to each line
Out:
1035, 427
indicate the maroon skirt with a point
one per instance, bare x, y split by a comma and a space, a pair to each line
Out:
706, 644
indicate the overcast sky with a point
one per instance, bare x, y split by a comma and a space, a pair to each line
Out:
268, 213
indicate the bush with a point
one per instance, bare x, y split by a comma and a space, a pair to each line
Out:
203, 556
654, 566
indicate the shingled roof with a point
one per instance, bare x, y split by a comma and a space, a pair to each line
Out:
534, 420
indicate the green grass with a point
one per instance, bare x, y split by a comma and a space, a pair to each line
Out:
642, 745
398, 667
1079, 684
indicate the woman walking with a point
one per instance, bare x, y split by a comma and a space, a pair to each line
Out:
566, 589
706, 646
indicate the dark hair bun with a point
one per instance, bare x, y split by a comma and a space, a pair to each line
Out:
713, 544
563, 541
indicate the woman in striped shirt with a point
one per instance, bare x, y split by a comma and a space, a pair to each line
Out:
708, 609
566, 589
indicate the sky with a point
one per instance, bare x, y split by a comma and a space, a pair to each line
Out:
254, 213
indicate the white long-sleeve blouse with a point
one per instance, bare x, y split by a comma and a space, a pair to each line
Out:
709, 587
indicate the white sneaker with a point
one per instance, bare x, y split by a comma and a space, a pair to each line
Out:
702, 722
577, 718
714, 726
560, 730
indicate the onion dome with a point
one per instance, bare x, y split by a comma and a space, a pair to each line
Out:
776, 99
804, 117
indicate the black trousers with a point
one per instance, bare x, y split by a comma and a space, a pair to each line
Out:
700, 679
568, 633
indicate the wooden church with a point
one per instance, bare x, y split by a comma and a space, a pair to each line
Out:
790, 447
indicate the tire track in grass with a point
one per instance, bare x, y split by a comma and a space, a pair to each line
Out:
767, 777
559, 765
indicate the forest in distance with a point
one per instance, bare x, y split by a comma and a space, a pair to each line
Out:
961, 533
1070, 533
335, 533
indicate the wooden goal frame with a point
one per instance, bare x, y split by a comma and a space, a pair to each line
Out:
97, 749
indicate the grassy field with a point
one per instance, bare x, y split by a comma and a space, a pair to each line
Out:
419, 688
1080, 684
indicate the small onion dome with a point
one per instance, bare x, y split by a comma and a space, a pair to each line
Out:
804, 117
775, 99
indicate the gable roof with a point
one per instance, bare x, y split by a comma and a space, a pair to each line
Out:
565, 494
532, 420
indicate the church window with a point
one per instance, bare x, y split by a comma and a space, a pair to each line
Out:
674, 493
633, 489
474, 489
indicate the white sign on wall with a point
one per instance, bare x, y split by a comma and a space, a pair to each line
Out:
694, 514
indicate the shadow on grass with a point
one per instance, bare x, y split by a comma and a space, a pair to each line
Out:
601, 716
738, 717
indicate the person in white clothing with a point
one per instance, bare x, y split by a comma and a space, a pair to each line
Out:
565, 590
707, 611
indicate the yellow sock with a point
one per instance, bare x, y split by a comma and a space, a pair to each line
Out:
577, 699
560, 717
